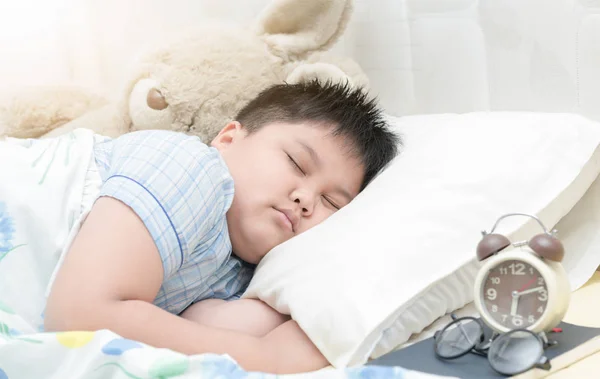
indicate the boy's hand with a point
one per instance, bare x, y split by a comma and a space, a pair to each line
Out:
110, 277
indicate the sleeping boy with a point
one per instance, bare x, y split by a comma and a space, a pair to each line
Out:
177, 227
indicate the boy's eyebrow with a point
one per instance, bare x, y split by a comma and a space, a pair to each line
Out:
313, 154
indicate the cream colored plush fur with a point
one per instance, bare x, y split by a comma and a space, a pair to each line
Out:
200, 80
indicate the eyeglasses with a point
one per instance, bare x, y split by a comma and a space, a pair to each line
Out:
508, 354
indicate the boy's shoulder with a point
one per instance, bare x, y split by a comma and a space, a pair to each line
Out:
155, 151
164, 142
167, 136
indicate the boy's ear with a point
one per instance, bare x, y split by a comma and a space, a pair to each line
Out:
228, 135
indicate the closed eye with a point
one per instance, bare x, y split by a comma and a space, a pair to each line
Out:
295, 164
337, 207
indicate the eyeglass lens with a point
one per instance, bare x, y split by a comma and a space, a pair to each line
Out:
515, 352
458, 338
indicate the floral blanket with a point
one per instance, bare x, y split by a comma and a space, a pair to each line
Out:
103, 354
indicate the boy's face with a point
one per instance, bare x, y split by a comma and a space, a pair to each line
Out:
288, 178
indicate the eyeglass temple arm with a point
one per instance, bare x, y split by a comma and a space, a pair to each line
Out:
544, 364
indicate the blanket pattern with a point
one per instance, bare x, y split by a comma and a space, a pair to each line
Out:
26, 354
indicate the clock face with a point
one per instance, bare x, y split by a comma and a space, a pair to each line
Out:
514, 294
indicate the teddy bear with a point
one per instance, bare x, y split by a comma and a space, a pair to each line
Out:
196, 83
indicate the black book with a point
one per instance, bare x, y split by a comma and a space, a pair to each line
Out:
421, 357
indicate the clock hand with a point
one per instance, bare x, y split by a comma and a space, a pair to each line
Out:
515, 304
536, 289
528, 284
520, 292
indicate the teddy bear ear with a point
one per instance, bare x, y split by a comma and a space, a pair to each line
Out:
320, 71
298, 27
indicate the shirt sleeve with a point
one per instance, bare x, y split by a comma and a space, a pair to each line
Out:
236, 296
178, 186
239, 280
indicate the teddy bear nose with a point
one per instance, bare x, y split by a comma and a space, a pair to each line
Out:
156, 100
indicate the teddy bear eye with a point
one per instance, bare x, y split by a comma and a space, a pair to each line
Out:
156, 100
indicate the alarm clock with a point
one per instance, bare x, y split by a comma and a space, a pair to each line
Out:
521, 285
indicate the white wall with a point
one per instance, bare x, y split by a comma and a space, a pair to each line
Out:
30, 51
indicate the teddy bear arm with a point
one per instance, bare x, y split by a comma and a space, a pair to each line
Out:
104, 121
33, 112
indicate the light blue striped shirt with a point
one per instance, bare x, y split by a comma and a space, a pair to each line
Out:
181, 189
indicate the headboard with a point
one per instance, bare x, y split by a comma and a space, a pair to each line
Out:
432, 56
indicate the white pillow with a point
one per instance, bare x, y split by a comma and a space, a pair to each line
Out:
402, 253
579, 233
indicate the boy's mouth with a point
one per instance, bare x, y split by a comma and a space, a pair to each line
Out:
288, 218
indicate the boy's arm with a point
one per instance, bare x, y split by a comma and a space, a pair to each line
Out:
110, 277
258, 319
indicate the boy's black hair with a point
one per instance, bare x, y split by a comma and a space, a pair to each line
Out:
349, 111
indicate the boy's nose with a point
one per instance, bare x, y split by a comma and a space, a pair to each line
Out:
305, 201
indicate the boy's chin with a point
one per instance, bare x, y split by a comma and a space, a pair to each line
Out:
248, 256
246, 248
